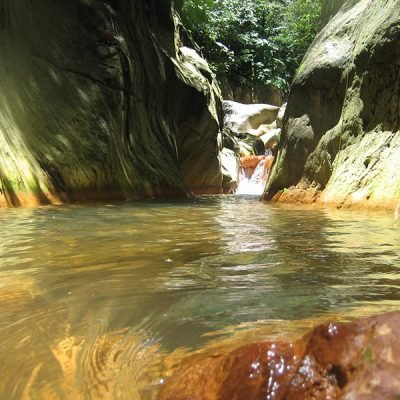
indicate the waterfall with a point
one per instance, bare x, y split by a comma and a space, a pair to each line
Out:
255, 184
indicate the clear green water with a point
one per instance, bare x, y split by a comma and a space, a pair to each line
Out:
91, 296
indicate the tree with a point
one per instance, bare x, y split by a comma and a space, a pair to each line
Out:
253, 42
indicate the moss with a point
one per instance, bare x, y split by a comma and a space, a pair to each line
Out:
301, 68
368, 356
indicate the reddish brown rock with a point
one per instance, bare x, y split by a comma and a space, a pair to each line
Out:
250, 163
358, 360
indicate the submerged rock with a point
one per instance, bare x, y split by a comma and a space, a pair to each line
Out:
340, 140
102, 99
357, 360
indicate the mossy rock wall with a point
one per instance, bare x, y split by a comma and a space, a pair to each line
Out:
341, 139
98, 100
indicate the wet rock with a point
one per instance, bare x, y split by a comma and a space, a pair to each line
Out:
341, 129
249, 163
357, 360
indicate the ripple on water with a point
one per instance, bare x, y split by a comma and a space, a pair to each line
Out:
103, 301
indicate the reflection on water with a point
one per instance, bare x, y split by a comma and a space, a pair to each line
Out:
92, 297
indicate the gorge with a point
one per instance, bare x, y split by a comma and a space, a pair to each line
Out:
128, 271
88, 104
93, 112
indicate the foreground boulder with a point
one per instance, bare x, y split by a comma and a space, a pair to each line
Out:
102, 99
358, 360
340, 140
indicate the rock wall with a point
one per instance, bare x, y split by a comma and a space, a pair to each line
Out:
341, 139
100, 99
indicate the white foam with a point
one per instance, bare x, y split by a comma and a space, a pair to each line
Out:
255, 184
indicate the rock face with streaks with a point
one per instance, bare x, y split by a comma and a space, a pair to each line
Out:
340, 142
102, 99
358, 360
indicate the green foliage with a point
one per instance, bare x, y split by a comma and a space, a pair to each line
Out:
253, 42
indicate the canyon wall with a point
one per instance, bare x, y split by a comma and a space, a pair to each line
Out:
102, 100
341, 142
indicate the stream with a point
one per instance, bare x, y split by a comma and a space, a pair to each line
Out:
103, 300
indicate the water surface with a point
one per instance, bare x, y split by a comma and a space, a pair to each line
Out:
93, 296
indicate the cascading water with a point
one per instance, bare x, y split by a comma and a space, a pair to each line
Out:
255, 184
